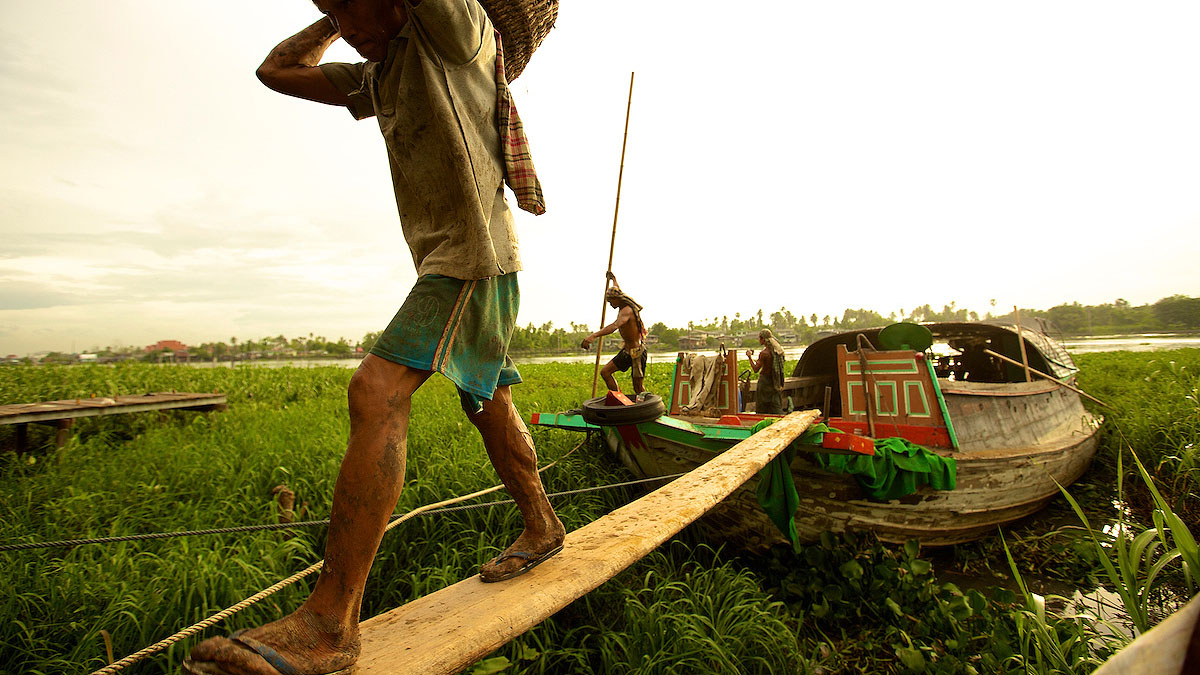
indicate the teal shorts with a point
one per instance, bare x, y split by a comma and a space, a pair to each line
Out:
460, 329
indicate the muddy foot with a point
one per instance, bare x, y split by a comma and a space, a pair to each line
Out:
300, 643
524, 554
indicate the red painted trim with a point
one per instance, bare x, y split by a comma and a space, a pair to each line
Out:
630, 434
934, 437
859, 444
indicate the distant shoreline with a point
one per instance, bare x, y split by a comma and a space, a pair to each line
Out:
1136, 342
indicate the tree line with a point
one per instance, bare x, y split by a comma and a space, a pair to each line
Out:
1173, 313
279, 346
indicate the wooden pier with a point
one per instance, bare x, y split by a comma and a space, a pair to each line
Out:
446, 631
62, 414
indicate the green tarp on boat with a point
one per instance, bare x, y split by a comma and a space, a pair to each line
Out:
897, 469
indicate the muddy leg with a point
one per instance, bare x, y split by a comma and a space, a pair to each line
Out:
322, 635
607, 373
510, 447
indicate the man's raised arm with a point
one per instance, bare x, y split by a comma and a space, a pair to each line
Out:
291, 67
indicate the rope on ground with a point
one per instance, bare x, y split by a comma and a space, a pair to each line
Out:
233, 609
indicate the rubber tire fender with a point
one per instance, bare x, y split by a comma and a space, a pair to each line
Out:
595, 411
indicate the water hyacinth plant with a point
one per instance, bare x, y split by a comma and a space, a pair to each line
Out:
845, 604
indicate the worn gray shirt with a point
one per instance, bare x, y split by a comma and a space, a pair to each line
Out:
435, 100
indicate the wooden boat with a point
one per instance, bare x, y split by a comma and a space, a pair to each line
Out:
1015, 434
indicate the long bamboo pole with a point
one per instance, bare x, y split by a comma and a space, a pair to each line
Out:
1052, 378
1021, 341
613, 241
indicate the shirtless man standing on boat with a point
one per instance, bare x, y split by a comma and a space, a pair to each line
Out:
448, 171
632, 356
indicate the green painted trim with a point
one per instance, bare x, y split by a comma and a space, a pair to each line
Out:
710, 431
675, 424
561, 421
911, 368
942, 404
680, 438
705, 436
879, 398
734, 434
908, 386
849, 404
675, 431
674, 382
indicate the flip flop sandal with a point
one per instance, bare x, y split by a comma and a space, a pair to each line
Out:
531, 561
272, 657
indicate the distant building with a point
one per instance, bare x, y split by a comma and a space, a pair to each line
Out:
166, 346
87, 358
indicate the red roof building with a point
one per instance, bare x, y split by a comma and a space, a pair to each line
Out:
167, 345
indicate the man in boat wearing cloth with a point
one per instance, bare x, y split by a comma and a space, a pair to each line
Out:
434, 79
768, 394
632, 356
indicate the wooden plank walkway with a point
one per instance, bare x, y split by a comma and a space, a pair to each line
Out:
63, 414
447, 631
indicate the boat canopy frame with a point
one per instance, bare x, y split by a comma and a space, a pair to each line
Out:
1044, 354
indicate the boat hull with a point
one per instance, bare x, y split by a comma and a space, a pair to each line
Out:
994, 487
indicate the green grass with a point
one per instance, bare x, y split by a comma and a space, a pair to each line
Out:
1155, 412
148, 473
845, 604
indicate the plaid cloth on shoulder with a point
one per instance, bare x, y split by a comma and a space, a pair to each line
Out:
518, 163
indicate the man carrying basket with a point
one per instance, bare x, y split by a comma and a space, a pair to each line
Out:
434, 79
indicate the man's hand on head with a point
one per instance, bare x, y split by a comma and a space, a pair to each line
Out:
292, 66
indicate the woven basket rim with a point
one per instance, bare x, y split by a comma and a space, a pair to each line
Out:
523, 24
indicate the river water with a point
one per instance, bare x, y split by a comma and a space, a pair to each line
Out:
1133, 343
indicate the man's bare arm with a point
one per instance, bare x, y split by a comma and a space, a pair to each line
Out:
623, 317
291, 67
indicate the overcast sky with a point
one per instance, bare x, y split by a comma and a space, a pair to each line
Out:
816, 156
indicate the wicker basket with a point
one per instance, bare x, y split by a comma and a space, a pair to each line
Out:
523, 24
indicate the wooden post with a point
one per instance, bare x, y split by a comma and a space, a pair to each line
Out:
1021, 341
448, 630
613, 241
64, 432
868, 391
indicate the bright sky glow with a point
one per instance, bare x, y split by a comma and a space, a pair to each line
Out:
811, 155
